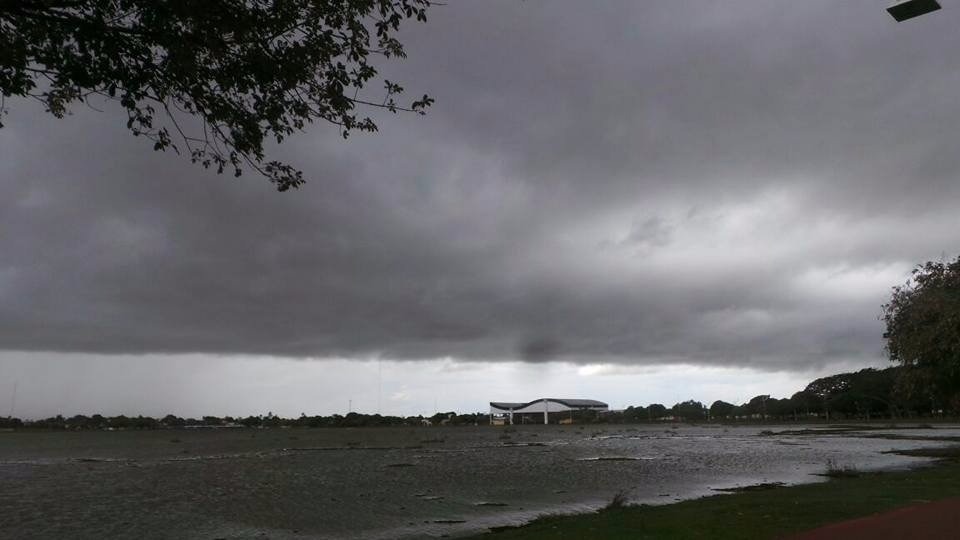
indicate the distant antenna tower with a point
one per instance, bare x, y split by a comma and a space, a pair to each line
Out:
379, 385
13, 400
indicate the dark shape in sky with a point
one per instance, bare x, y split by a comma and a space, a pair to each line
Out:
908, 9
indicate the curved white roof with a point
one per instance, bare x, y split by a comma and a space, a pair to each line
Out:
571, 403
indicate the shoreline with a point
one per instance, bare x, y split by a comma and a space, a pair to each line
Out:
762, 511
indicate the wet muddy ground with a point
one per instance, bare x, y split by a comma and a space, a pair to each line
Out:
398, 482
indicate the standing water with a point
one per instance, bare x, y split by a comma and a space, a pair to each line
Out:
397, 482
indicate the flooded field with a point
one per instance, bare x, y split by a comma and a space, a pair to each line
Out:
397, 482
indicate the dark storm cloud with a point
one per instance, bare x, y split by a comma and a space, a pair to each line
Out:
734, 183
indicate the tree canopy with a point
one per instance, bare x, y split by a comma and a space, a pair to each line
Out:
690, 410
721, 409
211, 79
923, 330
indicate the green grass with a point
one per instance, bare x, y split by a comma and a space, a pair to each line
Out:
768, 513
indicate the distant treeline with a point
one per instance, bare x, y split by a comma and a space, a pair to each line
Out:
96, 421
863, 395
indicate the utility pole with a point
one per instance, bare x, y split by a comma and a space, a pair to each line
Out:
13, 400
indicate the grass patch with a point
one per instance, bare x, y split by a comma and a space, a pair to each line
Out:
755, 487
609, 458
836, 470
857, 431
895, 437
947, 452
619, 501
522, 443
767, 513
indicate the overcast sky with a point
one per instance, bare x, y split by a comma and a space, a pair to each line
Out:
626, 201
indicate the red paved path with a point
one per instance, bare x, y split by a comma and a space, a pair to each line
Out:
938, 520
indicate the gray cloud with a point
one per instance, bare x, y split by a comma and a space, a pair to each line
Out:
637, 182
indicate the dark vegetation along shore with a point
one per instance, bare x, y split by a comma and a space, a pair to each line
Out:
758, 512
